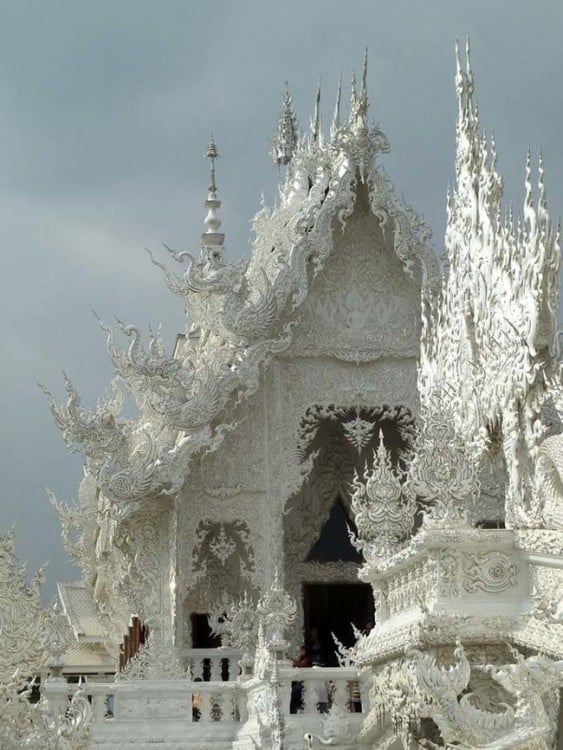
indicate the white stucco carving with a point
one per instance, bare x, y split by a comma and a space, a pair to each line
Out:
338, 368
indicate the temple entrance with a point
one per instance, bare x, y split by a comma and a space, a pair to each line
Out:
331, 607
320, 559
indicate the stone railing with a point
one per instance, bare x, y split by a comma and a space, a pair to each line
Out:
212, 664
180, 701
316, 690
140, 712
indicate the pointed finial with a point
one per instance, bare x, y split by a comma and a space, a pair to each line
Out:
316, 121
364, 90
529, 210
353, 96
542, 198
285, 138
336, 116
468, 71
494, 156
212, 240
212, 154
359, 104
528, 178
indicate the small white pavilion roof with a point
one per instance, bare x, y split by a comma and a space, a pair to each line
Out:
80, 608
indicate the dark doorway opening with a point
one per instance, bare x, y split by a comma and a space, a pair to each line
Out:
334, 542
331, 608
202, 637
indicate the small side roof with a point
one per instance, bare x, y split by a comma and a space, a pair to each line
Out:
86, 658
80, 608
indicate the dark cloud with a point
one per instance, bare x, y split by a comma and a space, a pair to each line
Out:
106, 113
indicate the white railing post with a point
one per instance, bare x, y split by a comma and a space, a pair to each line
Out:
205, 706
341, 695
200, 657
98, 706
215, 669
309, 698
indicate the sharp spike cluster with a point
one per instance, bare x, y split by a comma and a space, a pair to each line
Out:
354, 135
499, 299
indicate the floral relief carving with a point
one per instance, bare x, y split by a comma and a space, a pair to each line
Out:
490, 571
383, 517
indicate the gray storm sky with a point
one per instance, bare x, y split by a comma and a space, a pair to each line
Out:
105, 116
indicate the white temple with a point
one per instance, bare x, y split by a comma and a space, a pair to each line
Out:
353, 449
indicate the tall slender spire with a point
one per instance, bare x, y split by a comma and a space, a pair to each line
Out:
363, 102
359, 103
529, 208
285, 138
353, 96
316, 120
334, 126
212, 240
543, 214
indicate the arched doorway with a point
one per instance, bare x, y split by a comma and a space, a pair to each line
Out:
321, 564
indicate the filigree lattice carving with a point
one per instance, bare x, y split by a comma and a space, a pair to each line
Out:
276, 609
22, 617
384, 518
442, 472
155, 660
38, 726
491, 336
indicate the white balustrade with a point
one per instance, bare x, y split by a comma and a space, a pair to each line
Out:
213, 664
317, 689
193, 709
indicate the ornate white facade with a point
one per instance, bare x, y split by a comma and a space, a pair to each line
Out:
340, 370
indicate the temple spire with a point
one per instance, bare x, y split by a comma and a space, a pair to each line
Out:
335, 124
543, 214
212, 240
363, 103
359, 103
316, 119
285, 138
353, 97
